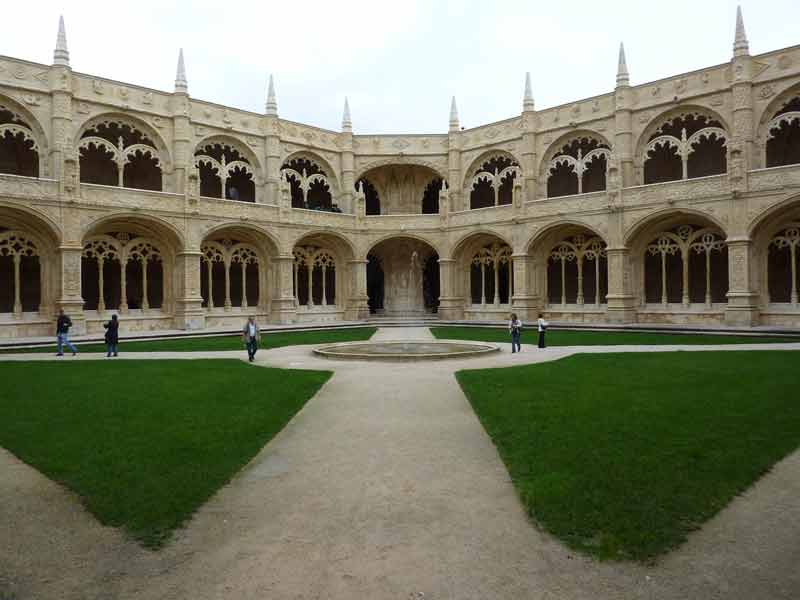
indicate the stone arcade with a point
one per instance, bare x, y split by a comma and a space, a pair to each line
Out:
675, 201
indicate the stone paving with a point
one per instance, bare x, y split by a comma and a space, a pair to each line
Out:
384, 486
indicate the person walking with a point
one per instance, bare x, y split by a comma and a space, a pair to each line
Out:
542, 325
63, 323
515, 328
112, 336
251, 335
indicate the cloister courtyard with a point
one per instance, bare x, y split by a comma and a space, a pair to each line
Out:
612, 464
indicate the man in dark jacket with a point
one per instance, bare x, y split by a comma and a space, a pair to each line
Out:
112, 336
63, 323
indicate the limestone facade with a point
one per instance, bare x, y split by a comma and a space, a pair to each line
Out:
672, 201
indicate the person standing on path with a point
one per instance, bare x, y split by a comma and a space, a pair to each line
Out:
112, 336
542, 325
63, 323
515, 328
251, 335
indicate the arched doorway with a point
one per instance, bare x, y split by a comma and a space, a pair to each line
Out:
403, 278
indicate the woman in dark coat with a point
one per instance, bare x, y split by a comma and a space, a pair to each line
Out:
112, 336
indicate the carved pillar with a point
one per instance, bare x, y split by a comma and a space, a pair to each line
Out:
70, 294
623, 138
579, 299
101, 300
455, 178
228, 303
244, 285
358, 303
348, 173
123, 286
182, 151
283, 302
61, 122
685, 284
529, 162
524, 302
324, 282
272, 150
621, 300
742, 306
310, 269
450, 306
189, 312
17, 301
145, 301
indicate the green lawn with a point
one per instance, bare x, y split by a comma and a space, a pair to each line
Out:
622, 455
564, 337
146, 443
228, 342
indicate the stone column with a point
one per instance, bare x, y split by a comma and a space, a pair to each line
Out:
272, 150
742, 306
455, 178
182, 150
358, 302
623, 138
283, 307
348, 173
621, 299
529, 160
450, 306
525, 300
69, 297
61, 123
189, 313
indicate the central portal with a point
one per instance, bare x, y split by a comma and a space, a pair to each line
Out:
403, 278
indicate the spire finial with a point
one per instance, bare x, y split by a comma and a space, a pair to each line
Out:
272, 101
623, 78
181, 85
740, 45
453, 115
527, 100
347, 124
61, 54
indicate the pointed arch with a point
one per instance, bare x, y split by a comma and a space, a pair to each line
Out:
24, 126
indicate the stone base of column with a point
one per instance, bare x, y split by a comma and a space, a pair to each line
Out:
525, 307
284, 311
742, 309
621, 309
189, 314
73, 308
357, 309
451, 308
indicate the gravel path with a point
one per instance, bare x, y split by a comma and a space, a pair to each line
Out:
384, 486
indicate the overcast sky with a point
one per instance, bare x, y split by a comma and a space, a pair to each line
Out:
399, 62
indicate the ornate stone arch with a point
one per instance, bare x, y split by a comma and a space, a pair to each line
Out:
768, 121
165, 232
232, 142
161, 146
345, 247
467, 239
399, 160
633, 232
28, 218
322, 163
555, 148
36, 131
266, 241
534, 242
644, 143
483, 157
401, 234
763, 218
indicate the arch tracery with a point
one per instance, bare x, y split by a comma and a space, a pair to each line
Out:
578, 166
19, 146
492, 184
225, 171
310, 186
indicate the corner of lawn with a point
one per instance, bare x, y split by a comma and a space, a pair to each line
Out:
146, 443
621, 456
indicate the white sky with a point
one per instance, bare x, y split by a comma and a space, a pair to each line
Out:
399, 62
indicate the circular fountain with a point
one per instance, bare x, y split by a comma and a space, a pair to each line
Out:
404, 350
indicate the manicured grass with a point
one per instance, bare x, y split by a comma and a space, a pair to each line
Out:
563, 337
622, 455
228, 342
146, 443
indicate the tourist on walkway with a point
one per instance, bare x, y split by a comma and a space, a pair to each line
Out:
62, 334
251, 335
542, 324
515, 327
112, 336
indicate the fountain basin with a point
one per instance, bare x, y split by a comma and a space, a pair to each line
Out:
404, 350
